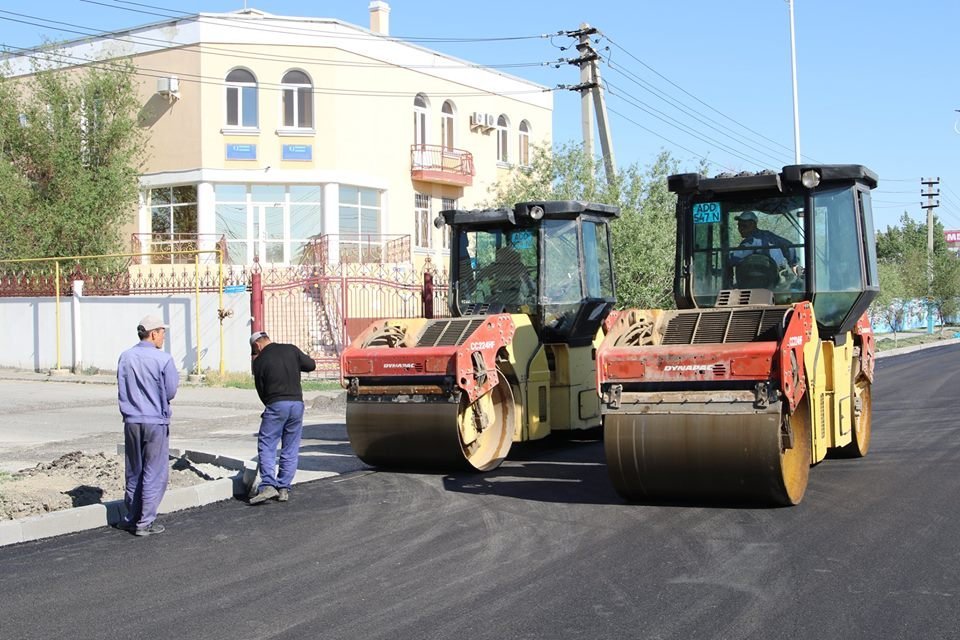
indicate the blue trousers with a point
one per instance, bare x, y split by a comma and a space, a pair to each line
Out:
147, 453
281, 422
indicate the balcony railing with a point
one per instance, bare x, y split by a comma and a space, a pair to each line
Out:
361, 248
434, 163
167, 244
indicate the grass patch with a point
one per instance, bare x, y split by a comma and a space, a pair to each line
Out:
245, 381
913, 339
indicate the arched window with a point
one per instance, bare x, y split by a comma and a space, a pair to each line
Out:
297, 100
420, 106
446, 125
241, 99
502, 139
524, 156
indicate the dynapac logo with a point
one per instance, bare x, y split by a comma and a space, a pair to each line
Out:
689, 367
400, 365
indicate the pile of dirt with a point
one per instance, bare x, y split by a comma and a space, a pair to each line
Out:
78, 479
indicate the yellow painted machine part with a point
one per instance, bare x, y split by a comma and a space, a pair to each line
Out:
574, 402
829, 376
530, 373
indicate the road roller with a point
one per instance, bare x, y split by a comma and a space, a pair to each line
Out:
765, 367
530, 289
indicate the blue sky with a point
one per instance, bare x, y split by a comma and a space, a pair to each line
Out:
877, 82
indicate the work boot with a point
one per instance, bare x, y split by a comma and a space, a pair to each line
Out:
149, 530
284, 495
266, 493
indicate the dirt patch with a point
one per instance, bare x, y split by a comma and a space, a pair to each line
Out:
78, 479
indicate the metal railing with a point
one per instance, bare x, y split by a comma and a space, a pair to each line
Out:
436, 163
174, 248
356, 248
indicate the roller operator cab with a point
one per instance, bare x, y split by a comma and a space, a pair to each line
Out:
766, 365
530, 288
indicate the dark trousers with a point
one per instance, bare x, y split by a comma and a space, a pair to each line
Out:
147, 453
281, 422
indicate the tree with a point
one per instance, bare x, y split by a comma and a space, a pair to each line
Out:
70, 153
889, 307
644, 238
895, 243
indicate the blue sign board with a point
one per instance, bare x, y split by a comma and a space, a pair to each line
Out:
241, 152
298, 152
235, 288
706, 212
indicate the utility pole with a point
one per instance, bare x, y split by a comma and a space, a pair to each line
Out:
590, 87
928, 190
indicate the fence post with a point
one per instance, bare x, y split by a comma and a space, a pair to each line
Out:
256, 301
427, 295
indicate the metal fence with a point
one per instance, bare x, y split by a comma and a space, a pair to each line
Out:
114, 274
315, 305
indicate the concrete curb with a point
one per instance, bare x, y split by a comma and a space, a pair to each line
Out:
93, 516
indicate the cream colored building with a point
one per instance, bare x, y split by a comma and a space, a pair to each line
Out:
272, 131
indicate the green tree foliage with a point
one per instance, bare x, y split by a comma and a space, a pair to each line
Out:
895, 243
907, 272
70, 153
644, 237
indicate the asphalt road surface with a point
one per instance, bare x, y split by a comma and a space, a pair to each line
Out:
541, 548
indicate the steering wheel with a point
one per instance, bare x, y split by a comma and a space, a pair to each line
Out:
757, 271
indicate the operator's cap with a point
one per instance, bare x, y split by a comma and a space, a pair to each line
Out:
256, 336
748, 216
149, 323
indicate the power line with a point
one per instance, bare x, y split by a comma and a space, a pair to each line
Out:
685, 129
213, 50
693, 113
712, 108
675, 144
216, 81
295, 30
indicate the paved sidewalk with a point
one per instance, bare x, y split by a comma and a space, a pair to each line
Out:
48, 416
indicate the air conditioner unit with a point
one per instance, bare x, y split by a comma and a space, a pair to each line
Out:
489, 121
169, 87
476, 119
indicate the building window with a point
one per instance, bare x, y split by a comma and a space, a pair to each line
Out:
421, 213
524, 156
445, 205
360, 238
420, 120
502, 139
297, 100
173, 222
276, 223
446, 125
241, 99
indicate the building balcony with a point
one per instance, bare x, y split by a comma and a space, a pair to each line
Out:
434, 163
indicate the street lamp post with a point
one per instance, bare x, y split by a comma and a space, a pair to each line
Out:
796, 108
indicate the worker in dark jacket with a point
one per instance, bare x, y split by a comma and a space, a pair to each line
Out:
276, 374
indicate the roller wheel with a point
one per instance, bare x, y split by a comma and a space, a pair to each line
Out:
729, 457
434, 434
862, 415
485, 427
795, 461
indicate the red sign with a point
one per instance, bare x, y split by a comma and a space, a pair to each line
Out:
952, 236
